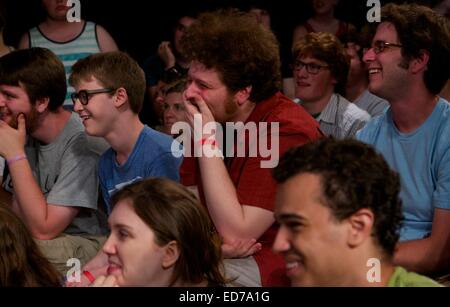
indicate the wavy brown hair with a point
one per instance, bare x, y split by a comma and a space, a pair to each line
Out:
174, 214
21, 262
353, 176
242, 51
328, 48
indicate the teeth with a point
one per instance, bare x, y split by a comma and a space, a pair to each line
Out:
291, 265
374, 70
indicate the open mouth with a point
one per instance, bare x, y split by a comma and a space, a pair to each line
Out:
373, 71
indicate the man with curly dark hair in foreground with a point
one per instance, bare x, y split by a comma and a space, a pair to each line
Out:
235, 78
339, 214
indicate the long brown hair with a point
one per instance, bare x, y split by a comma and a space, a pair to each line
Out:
21, 262
174, 214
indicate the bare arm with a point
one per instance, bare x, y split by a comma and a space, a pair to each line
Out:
431, 254
233, 220
24, 42
45, 221
298, 34
105, 40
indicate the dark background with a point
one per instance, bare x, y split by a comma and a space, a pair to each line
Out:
139, 25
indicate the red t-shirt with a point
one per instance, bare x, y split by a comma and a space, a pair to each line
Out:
255, 185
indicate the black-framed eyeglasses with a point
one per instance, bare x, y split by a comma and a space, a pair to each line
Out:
380, 46
311, 68
84, 95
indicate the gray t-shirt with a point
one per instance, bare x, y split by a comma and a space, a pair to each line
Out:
371, 103
66, 171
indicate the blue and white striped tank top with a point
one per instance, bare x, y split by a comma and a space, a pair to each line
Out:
83, 45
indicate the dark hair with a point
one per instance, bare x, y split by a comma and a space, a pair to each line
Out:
39, 71
174, 214
325, 47
420, 28
177, 86
21, 261
114, 70
353, 177
242, 51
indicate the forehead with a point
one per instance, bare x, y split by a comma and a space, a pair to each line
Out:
88, 83
309, 58
173, 98
300, 193
198, 71
186, 21
123, 213
386, 32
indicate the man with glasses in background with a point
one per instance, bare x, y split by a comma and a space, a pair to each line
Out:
408, 66
109, 95
320, 73
52, 174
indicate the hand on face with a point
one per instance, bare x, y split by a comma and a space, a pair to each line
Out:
12, 140
166, 54
196, 109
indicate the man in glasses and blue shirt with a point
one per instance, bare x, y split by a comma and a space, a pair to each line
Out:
109, 95
408, 66
52, 171
320, 74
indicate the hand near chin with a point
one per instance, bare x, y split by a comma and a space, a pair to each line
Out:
105, 281
197, 112
12, 140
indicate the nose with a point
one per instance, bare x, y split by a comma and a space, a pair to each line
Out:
301, 73
190, 90
369, 55
78, 107
109, 247
281, 243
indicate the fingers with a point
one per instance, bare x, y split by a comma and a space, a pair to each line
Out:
240, 248
21, 124
105, 281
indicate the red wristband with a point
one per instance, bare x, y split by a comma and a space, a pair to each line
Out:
89, 276
208, 141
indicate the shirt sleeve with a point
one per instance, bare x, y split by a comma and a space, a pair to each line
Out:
441, 195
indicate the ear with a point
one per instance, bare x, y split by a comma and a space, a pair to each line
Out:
243, 95
421, 62
361, 225
171, 254
42, 104
120, 97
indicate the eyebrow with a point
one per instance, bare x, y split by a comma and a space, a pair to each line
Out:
119, 225
7, 92
289, 217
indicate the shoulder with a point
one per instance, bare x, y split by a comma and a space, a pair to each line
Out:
295, 125
372, 128
403, 278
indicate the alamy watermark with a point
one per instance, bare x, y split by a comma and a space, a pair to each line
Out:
374, 273
234, 139
374, 13
74, 13
74, 273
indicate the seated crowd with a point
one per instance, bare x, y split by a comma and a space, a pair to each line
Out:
233, 182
